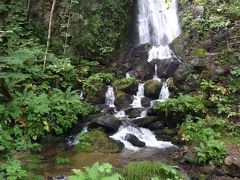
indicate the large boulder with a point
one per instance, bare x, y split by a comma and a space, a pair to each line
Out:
96, 98
133, 56
97, 141
134, 140
106, 121
133, 112
152, 89
143, 71
123, 100
146, 102
167, 67
127, 85
145, 121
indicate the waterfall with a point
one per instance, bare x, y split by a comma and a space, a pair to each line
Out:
164, 94
143, 134
137, 99
158, 25
110, 97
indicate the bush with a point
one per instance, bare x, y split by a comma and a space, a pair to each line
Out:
94, 83
210, 132
127, 85
148, 170
62, 160
96, 172
184, 104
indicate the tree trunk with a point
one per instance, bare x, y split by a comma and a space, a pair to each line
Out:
68, 24
49, 36
4, 90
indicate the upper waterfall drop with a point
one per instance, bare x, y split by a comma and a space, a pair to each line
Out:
158, 23
110, 97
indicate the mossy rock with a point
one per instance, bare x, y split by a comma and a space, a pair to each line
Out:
152, 89
97, 98
97, 141
127, 85
106, 121
123, 99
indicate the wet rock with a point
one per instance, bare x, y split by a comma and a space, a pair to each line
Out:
123, 100
146, 121
127, 85
167, 67
134, 140
198, 11
108, 110
143, 71
134, 56
152, 89
198, 64
61, 178
106, 121
146, 102
97, 141
133, 112
182, 72
156, 125
98, 98
232, 164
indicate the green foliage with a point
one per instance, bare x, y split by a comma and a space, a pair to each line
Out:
12, 170
101, 26
97, 171
219, 97
210, 132
150, 170
62, 160
125, 84
184, 104
212, 150
95, 83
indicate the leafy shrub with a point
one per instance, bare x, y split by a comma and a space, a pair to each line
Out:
184, 104
96, 82
12, 170
62, 160
97, 171
148, 170
209, 132
212, 150
125, 84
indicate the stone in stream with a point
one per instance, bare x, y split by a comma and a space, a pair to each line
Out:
152, 89
133, 112
106, 121
133, 56
145, 121
167, 67
146, 102
144, 71
134, 140
123, 100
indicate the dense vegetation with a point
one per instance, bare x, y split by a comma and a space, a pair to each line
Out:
34, 103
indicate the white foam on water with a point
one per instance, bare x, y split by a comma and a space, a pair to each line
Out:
110, 97
143, 134
137, 99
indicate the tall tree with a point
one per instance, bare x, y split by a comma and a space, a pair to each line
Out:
49, 35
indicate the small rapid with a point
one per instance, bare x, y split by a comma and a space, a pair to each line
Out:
110, 97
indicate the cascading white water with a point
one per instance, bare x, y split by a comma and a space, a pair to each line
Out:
110, 97
144, 135
128, 75
158, 25
164, 94
137, 99
155, 76
158, 22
